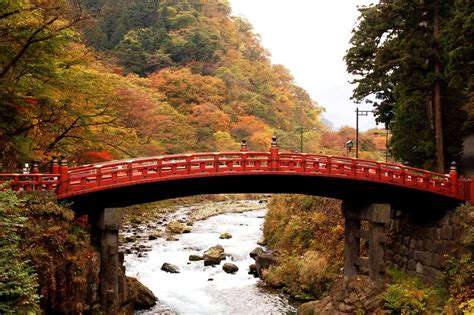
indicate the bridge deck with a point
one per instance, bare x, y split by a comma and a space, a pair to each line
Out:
82, 180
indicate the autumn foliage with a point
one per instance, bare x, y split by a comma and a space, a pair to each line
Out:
103, 80
308, 233
115, 80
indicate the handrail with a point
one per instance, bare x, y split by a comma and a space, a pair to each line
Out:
99, 176
30, 182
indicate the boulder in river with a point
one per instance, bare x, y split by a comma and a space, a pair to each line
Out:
172, 238
262, 242
130, 239
177, 227
170, 268
230, 267
213, 255
253, 269
263, 259
225, 236
195, 257
140, 295
254, 253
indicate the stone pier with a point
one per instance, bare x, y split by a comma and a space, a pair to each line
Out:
357, 260
105, 225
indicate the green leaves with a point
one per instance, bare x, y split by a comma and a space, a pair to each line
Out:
392, 57
18, 286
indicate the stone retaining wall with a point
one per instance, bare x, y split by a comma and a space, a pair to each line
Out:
421, 245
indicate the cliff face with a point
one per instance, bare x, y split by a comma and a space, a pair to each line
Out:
58, 245
69, 282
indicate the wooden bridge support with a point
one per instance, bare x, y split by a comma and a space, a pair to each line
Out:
105, 224
377, 217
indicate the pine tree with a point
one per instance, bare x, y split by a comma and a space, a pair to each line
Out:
399, 63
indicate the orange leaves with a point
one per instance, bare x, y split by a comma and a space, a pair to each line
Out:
183, 88
158, 127
209, 116
137, 108
254, 130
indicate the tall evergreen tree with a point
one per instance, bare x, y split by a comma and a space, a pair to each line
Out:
398, 59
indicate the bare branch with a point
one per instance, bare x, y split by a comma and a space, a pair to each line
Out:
5, 15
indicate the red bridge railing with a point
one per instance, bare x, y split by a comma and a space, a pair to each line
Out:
68, 182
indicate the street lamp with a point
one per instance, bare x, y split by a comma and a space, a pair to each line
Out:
349, 145
302, 130
360, 113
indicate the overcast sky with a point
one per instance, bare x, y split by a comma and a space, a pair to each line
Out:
310, 37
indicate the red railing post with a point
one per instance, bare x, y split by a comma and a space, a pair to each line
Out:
54, 165
274, 156
453, 178
216, 163
35, 170
243, 146
188, 163
63, 175
130, 171
243, 157
35, 167
472, 192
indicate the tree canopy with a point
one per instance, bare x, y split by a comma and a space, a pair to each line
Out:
393, 56
99, 79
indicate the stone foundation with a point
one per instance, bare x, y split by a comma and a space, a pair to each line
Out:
419, 245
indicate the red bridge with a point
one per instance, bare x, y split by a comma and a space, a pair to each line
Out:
121, 183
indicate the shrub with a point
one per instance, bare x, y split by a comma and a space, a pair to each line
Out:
308, 232
18, 285
408, 295
460, 267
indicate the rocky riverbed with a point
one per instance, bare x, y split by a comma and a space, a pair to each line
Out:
179, 243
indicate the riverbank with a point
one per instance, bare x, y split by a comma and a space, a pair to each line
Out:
154, 211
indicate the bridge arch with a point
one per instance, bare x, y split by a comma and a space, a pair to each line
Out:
123, 183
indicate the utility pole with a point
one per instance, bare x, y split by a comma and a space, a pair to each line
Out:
302, 130
357, 132
437, 95
360, 113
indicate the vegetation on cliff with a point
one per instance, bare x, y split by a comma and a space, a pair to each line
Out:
308, 233
460, 267
18, 281
46, 259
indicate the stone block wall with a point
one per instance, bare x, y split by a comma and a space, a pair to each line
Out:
420, 245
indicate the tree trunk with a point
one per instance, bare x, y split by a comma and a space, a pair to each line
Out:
437, 96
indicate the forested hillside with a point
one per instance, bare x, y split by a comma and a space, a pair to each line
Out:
100, 80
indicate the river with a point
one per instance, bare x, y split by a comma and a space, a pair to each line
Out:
208, 290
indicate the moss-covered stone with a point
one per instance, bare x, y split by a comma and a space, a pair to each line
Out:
225, 236
195, 258
140, 295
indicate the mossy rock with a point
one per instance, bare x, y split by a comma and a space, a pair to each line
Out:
177, 227
225, 236
195, 258
140, 295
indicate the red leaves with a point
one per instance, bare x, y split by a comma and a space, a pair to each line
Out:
94, 157
31, 100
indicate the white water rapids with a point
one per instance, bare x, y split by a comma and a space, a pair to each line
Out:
192, 291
